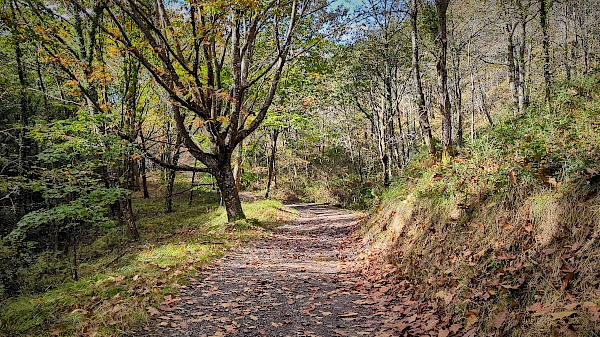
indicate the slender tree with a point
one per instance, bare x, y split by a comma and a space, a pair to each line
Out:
442, 78
418, 86
545, 47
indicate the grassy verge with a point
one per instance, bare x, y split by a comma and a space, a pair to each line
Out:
506, 237
120, 280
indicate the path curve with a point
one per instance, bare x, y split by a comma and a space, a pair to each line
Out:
291, 283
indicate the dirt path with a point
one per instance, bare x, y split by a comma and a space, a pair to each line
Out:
292, 283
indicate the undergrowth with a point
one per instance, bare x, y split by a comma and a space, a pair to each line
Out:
119, 279
508, 232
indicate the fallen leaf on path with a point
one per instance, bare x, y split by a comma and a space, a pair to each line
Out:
455, 327
443, 333
500, 319
153, 311
348, 314
165, 307
230, 328
561, 315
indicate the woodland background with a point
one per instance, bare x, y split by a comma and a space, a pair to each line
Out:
468, 129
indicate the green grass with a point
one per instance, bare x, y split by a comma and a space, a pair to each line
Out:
120, 279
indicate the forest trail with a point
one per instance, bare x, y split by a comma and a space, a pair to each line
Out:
292, 283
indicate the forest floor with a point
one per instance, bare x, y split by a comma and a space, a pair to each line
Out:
295, 282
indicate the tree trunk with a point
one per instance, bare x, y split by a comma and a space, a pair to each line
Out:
172, 174
237, 169
421, 108
23, 107
385, 161
484, 107
128, 218
144, 178
566, 60
192, 183
458, 98
444, 98
545, 48
74, 248
522, 69
229, 193
272, 157
510, 59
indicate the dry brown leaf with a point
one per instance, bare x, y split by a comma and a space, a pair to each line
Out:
230, 328
431, 324
412, 318
480, 254
165, 307
55, 332
472, 318
276, 324
562, 314
455, 327
513, 176
535, 307
500, 319
443, 333
184, 325
447, 297
117, 279
348, 314
565, 282
571, 306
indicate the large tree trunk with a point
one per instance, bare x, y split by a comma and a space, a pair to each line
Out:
422, 109
444, 98
228, 189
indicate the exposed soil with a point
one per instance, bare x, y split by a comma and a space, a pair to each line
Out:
296, 282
